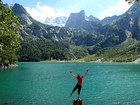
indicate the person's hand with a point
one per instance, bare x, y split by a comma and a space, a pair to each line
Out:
86, 70
70, 71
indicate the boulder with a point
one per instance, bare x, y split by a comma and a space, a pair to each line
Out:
78, 102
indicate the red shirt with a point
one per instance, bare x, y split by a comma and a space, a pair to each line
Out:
79, 79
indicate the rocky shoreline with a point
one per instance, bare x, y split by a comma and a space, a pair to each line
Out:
101, 60
9, 66
137, 61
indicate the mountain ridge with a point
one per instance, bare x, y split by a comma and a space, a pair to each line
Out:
73, 43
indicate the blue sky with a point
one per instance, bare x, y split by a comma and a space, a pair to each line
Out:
41, 9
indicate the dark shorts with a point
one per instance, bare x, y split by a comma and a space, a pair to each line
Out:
77, 87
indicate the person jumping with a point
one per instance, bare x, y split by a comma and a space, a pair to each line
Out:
79, 83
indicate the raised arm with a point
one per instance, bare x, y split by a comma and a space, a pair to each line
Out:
85, 73
72, 74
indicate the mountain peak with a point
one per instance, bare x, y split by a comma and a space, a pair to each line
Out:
81, 21
82, 12
22, 13
92, 18
18, 9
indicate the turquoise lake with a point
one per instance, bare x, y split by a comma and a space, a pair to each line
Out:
50, 83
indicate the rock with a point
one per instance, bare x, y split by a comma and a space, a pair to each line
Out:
78, 102
8, 66
137, 61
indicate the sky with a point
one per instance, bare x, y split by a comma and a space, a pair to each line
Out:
41, 9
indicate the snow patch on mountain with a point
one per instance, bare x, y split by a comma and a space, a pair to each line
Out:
58, 21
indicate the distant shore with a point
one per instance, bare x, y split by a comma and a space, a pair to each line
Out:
136, 61
98, 60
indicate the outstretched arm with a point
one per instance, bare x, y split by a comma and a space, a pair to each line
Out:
72, 74
85, 73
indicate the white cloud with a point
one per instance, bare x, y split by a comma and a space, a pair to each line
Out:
41, 12
118, 9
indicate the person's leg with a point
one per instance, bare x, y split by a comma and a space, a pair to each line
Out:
74, 89
79, 90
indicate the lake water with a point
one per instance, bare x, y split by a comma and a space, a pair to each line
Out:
44, 83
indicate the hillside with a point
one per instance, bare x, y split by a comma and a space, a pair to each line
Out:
127, 51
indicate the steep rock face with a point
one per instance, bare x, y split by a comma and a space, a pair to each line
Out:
130, 21
22, 13
133, 17
109, 20
134, 8
76, 20
79, 21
